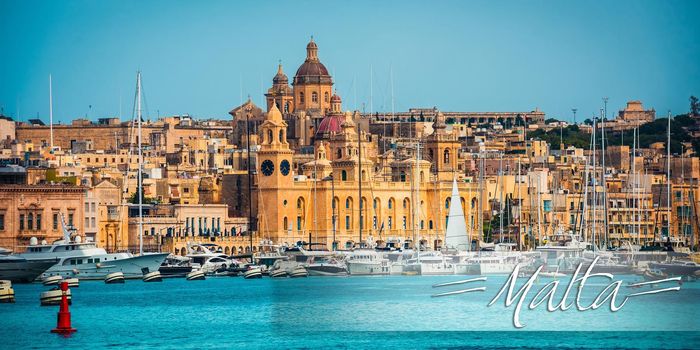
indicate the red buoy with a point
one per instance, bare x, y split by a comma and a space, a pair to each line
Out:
63, 325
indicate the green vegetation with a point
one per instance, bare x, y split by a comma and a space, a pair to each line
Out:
134, 199
648, 133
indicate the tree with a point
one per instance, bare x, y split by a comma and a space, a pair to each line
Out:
694, 106
146, 200
551, 120
588, 121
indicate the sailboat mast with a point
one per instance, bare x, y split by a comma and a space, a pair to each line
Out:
595, 194
140, 165
51, 112
602, 176
359, 171
668, 177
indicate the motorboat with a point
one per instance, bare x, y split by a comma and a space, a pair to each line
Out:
175, 266
20, 270
72, 282
429, 263
677, 268
299, 271
367, 262
51, 280
207, 257
74, 258
279, 273
487, 265
326, 266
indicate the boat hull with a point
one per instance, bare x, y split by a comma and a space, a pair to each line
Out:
326, 270
368, 268
24, 271
133, 267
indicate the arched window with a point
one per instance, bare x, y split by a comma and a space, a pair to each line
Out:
405, 203
391, 203
446, 159
314, 97
269, 136
301, 98
300, 201
344, 175
422, 177
430, 154
286, 107
339, 153
347, 203
376, 202
325, 96
447, 203
285, 223
430, 224
281, 136
402, 176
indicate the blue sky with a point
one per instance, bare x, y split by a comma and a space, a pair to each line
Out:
200, 57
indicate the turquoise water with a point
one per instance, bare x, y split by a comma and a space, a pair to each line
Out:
341, 312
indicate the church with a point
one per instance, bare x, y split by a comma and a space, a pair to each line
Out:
321, 178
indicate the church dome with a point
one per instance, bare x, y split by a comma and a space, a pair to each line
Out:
335, 98
330, 124
312, 71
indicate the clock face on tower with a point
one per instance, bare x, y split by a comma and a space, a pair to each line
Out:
267, 167
284, 167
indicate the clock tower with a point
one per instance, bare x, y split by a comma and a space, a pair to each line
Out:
274, 156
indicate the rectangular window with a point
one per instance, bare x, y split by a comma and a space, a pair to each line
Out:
21, 221
38, 221
403, 221
2, 222
92, 207
390, 224
374, 222
298, 223
92, 221
347, 222
55, 221
70, 219
87, 207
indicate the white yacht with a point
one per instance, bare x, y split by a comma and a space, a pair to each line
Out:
17, 269
205, 257
367, 262
86, 261
492, 264
429, 263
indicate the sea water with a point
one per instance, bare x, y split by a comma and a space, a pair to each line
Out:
342, 312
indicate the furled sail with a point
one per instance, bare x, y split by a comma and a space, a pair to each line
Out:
456, 233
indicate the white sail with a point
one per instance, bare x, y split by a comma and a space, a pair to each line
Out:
456, 233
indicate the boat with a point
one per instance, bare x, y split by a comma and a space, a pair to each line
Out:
86, 261
456, 231
21, 270
175, 266
429, 263
550, 274
253, 272
326, 266
7, 294
153, 276
487, 265
677, 268
195, 275
208, 259
72, 282
114, 277
367, 262
54, 296
51, 280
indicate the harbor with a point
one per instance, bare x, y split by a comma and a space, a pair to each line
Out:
331, 312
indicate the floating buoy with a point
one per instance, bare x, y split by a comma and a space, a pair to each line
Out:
253, 273
63, 325
154, 276
195, 275
7, 294
52, 280
114, 277
299, 271
72, 282
54, 297
278, 273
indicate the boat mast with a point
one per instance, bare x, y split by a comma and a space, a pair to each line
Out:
140, 165
359, 172
668, 177
595, 194
602, 177
51, 112
520, 210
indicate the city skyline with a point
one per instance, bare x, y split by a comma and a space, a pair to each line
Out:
469, 57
